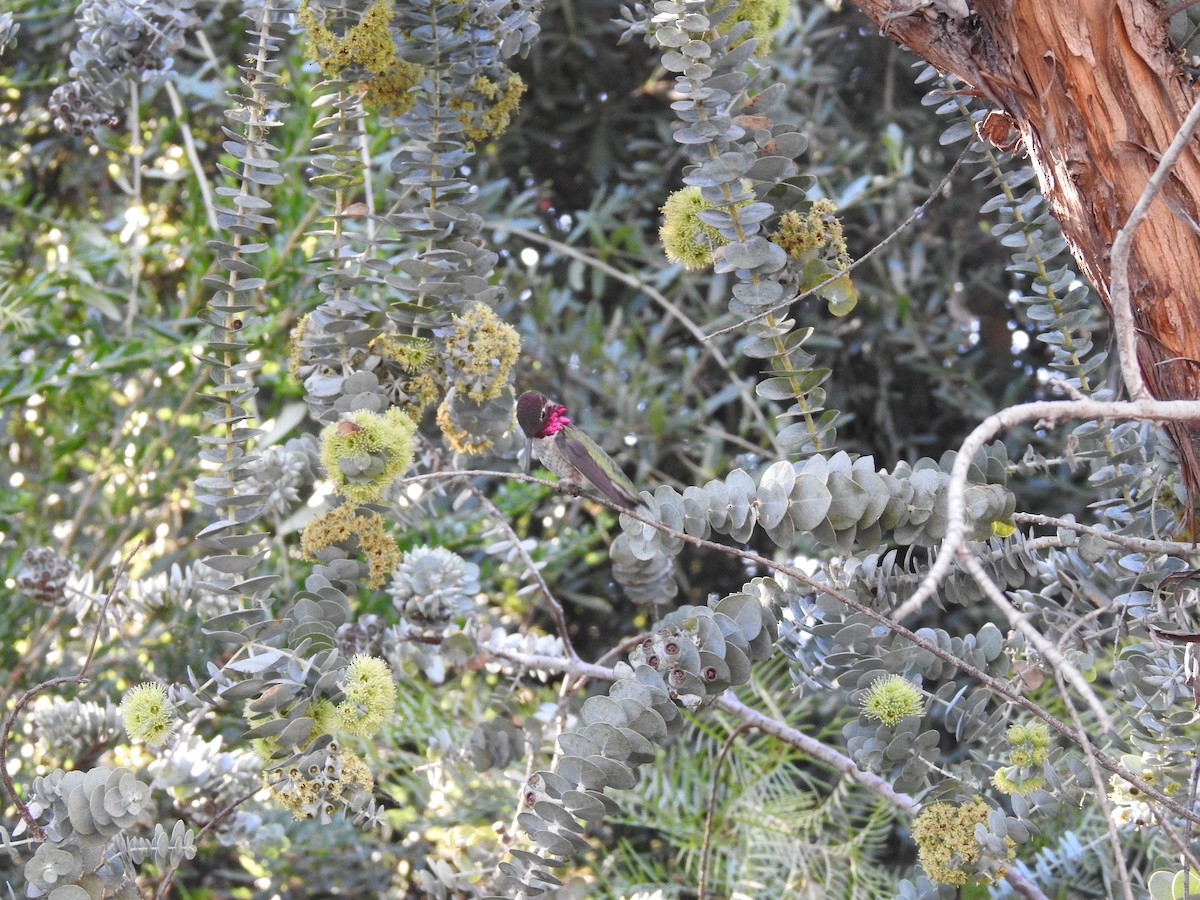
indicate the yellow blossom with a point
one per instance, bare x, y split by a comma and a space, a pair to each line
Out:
365, 452
147, 714
344, 528
891, 698
370, 701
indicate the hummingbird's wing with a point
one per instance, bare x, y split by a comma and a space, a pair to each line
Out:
613, 485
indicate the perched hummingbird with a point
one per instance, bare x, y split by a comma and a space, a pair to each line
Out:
569, 453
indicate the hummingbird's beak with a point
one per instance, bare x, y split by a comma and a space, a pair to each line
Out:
525, 464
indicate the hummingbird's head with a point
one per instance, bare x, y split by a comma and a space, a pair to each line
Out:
539, 416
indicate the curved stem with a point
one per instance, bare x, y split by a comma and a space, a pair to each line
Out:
1051, 412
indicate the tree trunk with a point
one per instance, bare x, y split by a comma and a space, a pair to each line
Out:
1096, 92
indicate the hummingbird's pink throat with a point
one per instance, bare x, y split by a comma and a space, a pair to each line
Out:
555, 422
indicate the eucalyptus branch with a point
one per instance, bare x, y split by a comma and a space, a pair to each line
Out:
1162, 409
748, 717
896, 232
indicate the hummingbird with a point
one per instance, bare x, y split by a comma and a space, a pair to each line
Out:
570, 454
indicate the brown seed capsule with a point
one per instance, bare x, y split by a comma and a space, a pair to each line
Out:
752, 123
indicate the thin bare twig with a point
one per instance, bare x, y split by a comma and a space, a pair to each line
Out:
1140, 545
112, 592
1169, 11
1176, 838
169, 875
710, 812
9, 721
1118, 281
556, 610
913, 216
189, 146
27, 697
1050, 411
1049, 651
135, 222
1089, 755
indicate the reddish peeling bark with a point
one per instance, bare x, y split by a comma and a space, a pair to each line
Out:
1094, 88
